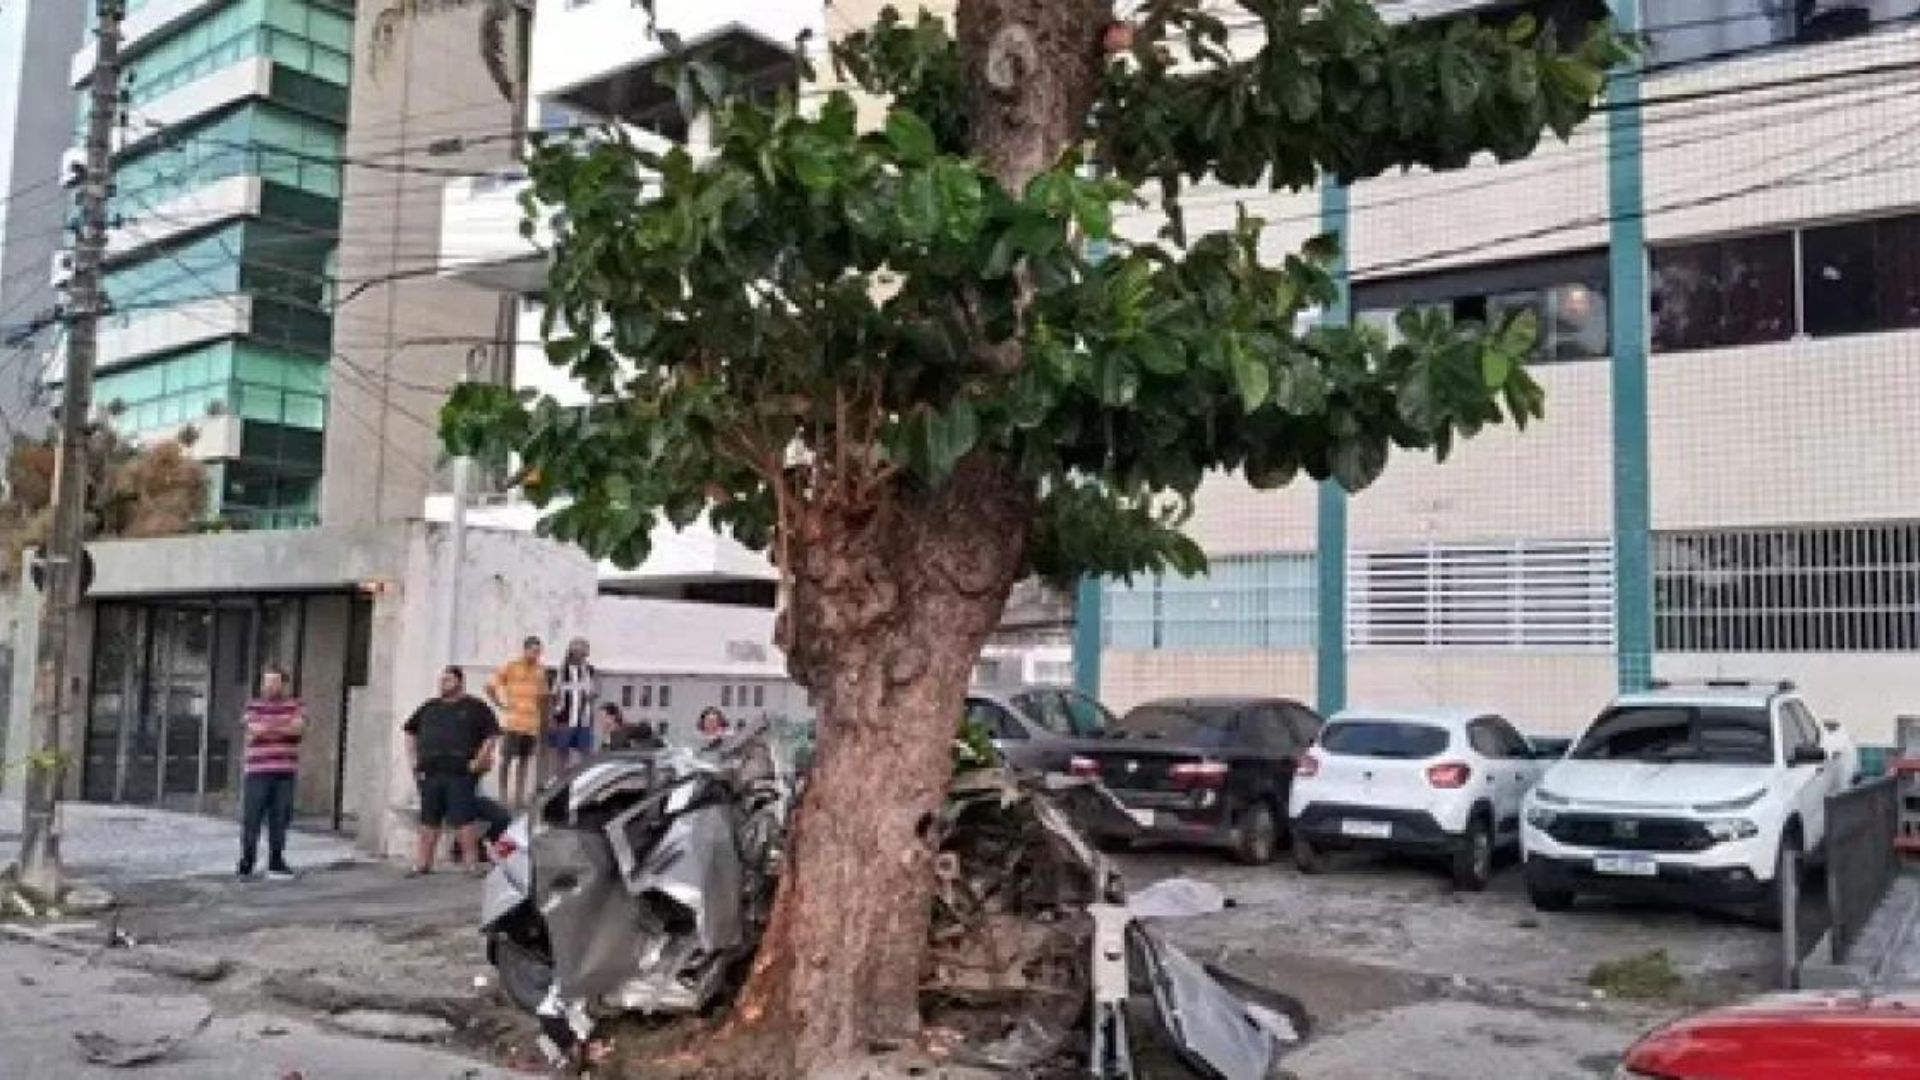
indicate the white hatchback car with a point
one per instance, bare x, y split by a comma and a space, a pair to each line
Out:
1447, 782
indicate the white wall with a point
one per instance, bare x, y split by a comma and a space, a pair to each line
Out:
1129, 677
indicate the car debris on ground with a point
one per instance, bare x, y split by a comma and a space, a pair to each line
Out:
657, 870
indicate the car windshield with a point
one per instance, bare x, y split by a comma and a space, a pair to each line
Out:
1063, 714
1716, 734
1200, 726
1383, 739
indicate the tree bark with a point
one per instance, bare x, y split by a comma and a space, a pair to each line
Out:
887, 612
890, 613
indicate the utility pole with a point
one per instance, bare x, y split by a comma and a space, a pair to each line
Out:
53, 698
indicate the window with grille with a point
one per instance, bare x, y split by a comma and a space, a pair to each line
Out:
1548, 594
1839, 588
1243, 602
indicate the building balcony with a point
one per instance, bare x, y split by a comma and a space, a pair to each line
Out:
598, 57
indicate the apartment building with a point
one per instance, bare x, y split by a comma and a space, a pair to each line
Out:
1726, 481
228, 176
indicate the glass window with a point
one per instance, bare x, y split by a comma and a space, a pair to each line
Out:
1046, 708
666, 696
726, 695
1861, 277
1513, 744
1717, 734
1177, 723
626, 696
1384, 739
1578, 327
1242, 602
759, 697
1727, 292
994, 720
1088, 717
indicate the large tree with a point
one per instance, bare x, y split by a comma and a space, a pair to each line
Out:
893, 359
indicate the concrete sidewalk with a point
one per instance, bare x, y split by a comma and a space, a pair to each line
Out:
121, 845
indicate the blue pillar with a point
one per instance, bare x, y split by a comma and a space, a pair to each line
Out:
1627, 308
1087, 637
1332, 523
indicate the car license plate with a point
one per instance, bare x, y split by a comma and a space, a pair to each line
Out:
1626, 865
1372, 830
1142, 818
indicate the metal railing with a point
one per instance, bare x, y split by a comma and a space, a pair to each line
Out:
1861, 860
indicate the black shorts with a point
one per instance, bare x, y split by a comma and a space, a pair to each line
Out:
447, 798
515, 744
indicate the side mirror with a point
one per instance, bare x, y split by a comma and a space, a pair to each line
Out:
1831, 725
1808, 755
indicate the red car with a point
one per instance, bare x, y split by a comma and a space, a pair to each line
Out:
1826, 1035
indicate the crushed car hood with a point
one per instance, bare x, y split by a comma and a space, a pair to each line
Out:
1642, 785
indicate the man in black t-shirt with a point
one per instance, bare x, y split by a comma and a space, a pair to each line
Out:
450, 742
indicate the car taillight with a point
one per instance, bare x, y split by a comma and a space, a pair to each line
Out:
1083, 766
504, 848
1308, 765
1199, 774
1453, 774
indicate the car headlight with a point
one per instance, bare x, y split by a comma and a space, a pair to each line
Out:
1725, 829
1541, 794
1541, 817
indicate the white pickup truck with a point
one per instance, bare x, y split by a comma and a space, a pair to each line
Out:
1702, 793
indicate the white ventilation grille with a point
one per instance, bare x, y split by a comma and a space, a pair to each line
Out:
1548, 595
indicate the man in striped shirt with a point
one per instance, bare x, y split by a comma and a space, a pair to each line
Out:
274, 725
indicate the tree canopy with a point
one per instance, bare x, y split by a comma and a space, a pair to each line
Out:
813, 314
156, 490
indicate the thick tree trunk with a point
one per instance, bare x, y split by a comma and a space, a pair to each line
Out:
888, 609
888, 617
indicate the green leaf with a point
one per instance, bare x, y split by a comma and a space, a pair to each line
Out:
1358, 462
1523, 76
910, 136
1094, 214
1160, 355
1252, 377
1460, 83
1494, 366
919, 208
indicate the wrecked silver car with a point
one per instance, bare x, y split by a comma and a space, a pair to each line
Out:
637, 882
641, 883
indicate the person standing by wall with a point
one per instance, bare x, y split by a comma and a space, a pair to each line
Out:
274, 724
574, 690
449, 743
519, 691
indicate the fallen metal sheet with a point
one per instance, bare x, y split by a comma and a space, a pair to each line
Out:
1204, 1020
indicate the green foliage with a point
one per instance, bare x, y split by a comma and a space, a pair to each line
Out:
973, 747
818, 316
1335, 89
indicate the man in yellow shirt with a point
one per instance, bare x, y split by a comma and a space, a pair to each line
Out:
519, 690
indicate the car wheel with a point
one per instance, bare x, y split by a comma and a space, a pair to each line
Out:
1257, 836
1473, 858
1306, 858
525, 974
1549, 899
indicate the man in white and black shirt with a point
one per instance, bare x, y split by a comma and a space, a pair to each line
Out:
573, 693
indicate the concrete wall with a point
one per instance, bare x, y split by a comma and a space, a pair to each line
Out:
1541, 692
1129, 677
246, 562
394, 361
323, 659
511, 586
